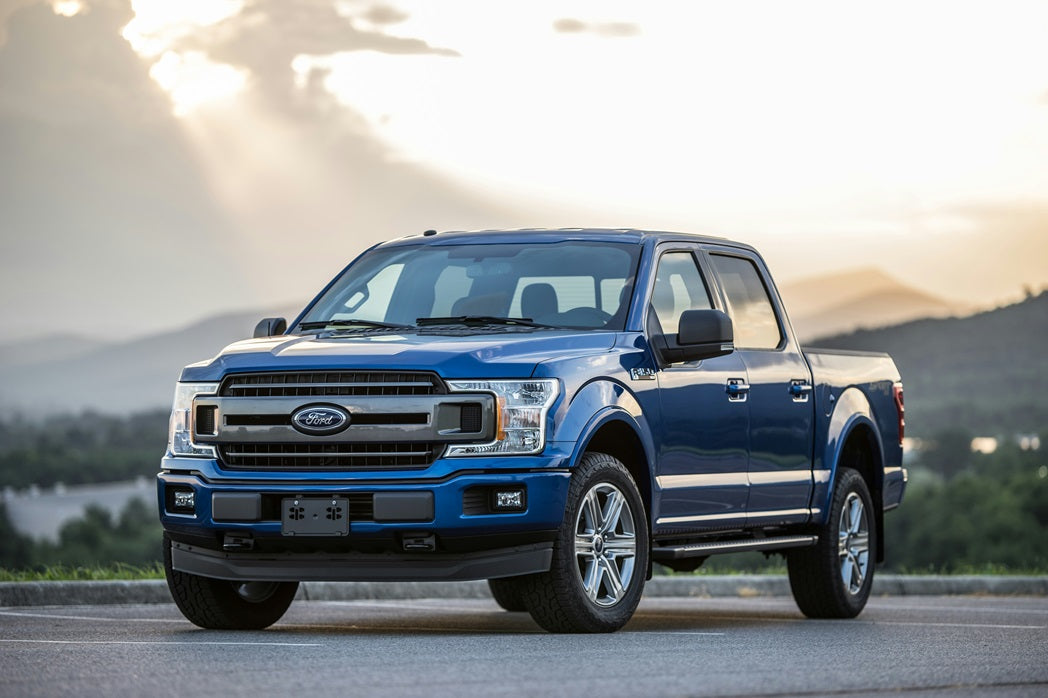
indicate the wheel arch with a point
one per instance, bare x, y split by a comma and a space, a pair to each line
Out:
858, 447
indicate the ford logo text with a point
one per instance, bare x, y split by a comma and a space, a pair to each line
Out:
320, 420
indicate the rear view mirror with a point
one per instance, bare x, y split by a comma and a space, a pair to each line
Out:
270, 327
701, 334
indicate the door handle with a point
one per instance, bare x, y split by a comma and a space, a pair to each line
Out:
799, 389
737, 389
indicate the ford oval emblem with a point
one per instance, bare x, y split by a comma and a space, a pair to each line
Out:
320, 420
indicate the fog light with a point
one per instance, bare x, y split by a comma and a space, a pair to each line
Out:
185, 500
508, 500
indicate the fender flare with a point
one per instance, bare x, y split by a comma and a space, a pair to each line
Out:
851, 411
597, 404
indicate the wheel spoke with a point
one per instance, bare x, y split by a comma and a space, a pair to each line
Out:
612, 512
859, 543
591, 580
855, 515
614, 581
621, 545
584, 546
847, 571
591, 511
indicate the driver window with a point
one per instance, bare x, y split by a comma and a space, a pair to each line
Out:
678, 287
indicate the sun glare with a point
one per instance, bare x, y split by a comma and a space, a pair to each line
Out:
67, 8
190, 78
193, 80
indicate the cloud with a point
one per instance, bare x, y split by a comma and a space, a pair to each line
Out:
116, 215
607, 30
268, 34
384, 14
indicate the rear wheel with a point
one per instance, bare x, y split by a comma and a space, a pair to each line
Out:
600, 556
219, 604
832, 579
508, 593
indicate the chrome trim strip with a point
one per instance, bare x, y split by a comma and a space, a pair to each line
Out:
672, 482
779, 477
762, 477
739, 515
703, 517
777, 513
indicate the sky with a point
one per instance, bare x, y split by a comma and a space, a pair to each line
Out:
167, 160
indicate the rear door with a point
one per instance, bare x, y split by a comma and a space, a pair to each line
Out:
780, 399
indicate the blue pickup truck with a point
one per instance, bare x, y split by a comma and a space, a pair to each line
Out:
553, 411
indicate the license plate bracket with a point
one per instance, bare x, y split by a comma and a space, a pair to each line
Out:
314, 516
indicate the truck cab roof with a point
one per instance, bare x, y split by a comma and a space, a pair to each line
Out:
548, 235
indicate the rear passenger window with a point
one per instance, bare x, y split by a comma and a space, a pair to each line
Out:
756, 326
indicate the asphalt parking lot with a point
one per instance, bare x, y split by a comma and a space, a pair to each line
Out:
927, 646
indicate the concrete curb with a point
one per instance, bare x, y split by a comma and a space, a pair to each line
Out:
15, 594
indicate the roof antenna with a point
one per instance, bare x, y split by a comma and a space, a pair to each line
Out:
428, 233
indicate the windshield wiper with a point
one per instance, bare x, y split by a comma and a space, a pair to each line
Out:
321, 324
478, 320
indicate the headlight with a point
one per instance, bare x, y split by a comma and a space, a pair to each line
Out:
520, 414
180, 435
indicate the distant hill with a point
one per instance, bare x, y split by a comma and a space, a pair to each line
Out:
114, 377
987, 373
858, 299
51, 348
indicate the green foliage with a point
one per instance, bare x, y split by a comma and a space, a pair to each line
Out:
94, 542
82, 449
96, 539
990, 512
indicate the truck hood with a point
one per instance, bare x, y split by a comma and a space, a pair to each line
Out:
512, 354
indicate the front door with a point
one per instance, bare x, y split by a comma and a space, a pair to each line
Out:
703, 451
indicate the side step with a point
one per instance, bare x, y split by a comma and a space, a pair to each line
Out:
676, 552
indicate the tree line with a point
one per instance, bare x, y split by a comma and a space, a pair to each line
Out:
963, 511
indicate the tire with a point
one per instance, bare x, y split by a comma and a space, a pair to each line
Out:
508, 594
219, 604
600, 555
832, 579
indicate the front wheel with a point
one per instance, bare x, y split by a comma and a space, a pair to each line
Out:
600, 556
218, 604
832, 579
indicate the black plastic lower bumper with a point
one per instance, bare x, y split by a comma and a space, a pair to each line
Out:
360, 567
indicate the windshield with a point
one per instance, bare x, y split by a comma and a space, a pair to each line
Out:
565, 284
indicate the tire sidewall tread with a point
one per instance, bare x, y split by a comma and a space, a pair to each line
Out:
814, 572
556, 599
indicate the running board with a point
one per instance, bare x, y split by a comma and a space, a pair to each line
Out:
676, 552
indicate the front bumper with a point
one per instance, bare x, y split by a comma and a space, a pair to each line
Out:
467, 542
359, 567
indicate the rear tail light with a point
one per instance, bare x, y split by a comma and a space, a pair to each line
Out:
901, 409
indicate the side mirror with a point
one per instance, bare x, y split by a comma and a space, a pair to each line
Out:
270, 327
701, 334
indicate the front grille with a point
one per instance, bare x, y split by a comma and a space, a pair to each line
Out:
330, 384
357, 418
329, 456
